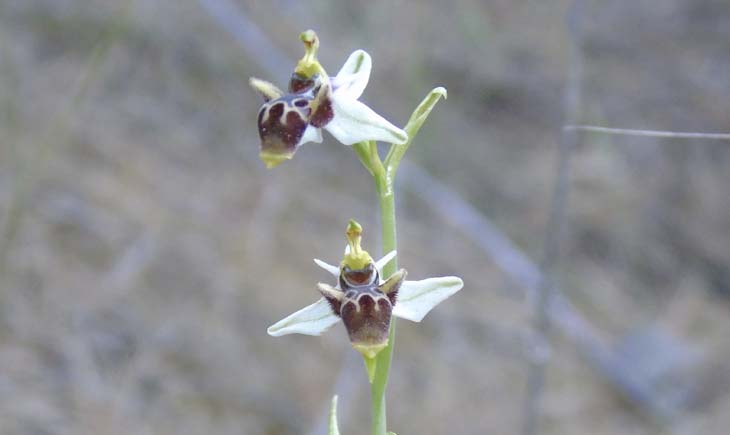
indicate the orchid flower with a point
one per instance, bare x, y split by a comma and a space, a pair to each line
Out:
364, 301
315, 101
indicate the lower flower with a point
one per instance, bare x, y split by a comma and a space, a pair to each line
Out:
364, 302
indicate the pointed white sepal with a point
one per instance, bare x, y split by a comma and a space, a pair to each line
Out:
416, 298
310, 320
355, 122
311, 134
380, 264
334, 270
354, 75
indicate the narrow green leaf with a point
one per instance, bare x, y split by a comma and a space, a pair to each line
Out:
333, 430
422, 111
419, 116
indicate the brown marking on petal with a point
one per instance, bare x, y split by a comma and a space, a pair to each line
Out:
385, 304
367, 318
281, 126
322, 110
334, 296
358, 277
393, 297
334, 304
277, 109
299, 84
367, 304
391, 286
348, 306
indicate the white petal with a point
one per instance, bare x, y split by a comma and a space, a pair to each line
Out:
355, 122
334, 270
416, 298
311, 320
311, 134
353, 76
380, 264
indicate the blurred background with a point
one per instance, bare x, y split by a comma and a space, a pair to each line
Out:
144, 249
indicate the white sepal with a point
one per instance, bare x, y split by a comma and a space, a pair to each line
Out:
380, 264
355, 122
311, 134
354, 75
416, 298
310, 320
334, 270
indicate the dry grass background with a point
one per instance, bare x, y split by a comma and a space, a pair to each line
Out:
145, 249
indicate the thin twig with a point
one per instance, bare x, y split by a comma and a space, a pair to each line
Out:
462, 215
647, 133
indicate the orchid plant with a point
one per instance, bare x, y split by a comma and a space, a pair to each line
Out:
367, 294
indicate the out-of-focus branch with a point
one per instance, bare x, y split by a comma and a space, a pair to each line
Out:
255, 42
647, 133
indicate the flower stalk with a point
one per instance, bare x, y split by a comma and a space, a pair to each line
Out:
386, 199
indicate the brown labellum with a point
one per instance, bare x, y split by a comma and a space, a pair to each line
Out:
282, 123
366, 313
364, 306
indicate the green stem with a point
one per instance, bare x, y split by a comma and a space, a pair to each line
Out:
384, 185
384, 174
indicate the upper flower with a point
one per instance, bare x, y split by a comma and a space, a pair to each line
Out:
315, 101
364, 301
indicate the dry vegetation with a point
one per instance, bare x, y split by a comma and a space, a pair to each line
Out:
145, 250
